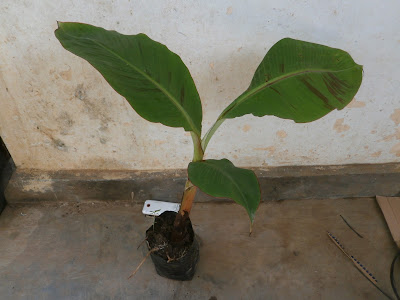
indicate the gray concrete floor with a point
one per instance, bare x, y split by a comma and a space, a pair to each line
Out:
87, 251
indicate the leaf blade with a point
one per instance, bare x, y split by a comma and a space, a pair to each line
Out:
153, 79
220, 178
300, 81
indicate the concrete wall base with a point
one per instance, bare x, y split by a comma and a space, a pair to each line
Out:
277, 183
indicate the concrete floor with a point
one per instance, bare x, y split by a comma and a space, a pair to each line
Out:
87, 251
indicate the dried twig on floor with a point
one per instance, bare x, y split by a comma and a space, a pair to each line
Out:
142, 262
141, 243
359, 235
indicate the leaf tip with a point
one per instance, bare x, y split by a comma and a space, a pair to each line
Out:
59, 25
251, 226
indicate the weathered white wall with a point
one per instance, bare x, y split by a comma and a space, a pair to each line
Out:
57, 112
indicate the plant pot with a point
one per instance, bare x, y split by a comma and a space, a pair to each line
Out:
174, 260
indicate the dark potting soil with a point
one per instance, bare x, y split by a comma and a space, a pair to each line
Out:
172, 246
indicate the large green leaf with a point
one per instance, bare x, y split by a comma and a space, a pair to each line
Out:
153, 79
220, 178
300, 81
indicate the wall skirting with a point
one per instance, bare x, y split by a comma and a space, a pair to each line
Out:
277, 183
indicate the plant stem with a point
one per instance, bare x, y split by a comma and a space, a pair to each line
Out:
198, 151
199, 146
188, 194
188, 197
210, 132
190, 190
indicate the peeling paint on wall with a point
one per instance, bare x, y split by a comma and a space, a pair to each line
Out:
281, 133
396, 150
376, 154
391, 137
271, 150
356, 104
66, 75
57, 112
339, 126
246, 128
395, 116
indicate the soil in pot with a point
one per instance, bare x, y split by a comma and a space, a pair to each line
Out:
176, 257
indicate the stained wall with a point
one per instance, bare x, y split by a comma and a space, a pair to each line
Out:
57, 112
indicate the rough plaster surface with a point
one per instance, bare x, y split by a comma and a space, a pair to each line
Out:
57, 112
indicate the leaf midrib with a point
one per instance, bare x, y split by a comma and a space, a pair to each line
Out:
173, 100
270, 83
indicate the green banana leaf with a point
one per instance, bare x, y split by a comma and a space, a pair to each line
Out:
300, 81
220, 178
154, 80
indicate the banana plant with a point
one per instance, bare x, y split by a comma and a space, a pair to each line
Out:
296, 80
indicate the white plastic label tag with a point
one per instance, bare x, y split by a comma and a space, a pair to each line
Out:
156, 208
